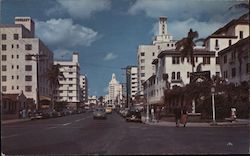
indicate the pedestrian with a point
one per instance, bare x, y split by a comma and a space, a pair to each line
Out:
184, 116
177, 113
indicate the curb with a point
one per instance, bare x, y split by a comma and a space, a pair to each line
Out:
14, 121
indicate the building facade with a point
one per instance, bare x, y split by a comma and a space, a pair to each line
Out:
132, 81
69, 87
84, 88
147, 53
115, 90
24, 61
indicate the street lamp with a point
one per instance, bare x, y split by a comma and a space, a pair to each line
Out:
213, 106
147, 117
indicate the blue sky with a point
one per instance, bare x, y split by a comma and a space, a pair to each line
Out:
106, 33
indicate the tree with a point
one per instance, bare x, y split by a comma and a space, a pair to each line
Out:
53, 76
186, 47
100, 99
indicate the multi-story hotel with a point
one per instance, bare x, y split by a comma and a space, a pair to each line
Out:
84, 88
69, 89
147, 53
24, 61
115, 90
132, 81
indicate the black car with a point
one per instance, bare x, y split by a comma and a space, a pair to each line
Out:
134, 115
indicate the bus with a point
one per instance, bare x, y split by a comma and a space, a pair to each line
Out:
109, 109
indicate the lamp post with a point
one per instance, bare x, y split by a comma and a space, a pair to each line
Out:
213, 106
147, 117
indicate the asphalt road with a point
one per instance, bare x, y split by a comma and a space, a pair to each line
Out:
80, 134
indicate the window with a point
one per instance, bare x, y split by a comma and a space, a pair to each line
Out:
142, 67
4, 68
196, 59
28, 57
28, 47
4, 88
216, 44
70, 91
12, 67
178, 75
159, 47
142, 54
70, 98
12, 87
153, 54
70, 72
142, 74
17, 87
70, 85
4, 57
188, 74
225, 59
28, 88
233, 72
229, 42
172, 45
217, 60
12, 77
61, 91
225, 74
241, 34
206, 60
17, 56
28, 78
70, 79
12, 56
173, 75
142, 61
17, 46
167, 45
4, 78
4, 36
188, 59
16, 37
4, 47
12, 46
175, 60
17, 67
17, 77
28, 67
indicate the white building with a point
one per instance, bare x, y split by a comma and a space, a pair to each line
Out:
24, 60
69, 89
115, 90
228, 35
92, 100
235, 62
84, 88
147, 53
170, 71
132, 81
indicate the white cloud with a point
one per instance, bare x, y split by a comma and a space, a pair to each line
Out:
61, 53
183, 9
204, 29
64, 33
110, 56
80, 8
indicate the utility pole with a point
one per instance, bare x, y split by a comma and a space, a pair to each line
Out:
36, 58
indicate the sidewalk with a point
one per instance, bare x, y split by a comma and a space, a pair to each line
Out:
14, 120
238, 122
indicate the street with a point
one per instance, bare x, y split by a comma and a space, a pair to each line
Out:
80, 134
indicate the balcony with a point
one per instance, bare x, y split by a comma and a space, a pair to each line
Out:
176, 81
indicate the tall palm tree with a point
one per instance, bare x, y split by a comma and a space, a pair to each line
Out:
186, 47
53, 76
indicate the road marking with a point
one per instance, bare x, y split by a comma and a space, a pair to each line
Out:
10, 136
77, 120
66, 124
51, 127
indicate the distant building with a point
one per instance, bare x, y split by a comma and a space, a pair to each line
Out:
69, 89
132, 81
92, 100
115, 90
84, 88
147, 53
24, 61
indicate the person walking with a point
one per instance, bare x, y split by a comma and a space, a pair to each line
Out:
177, 113
184, 116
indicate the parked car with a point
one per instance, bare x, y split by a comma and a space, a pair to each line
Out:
134, 115
125, 112
99, 113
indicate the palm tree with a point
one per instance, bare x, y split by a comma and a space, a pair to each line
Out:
186, 47
53, 76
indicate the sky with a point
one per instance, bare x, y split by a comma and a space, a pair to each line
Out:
106, 33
